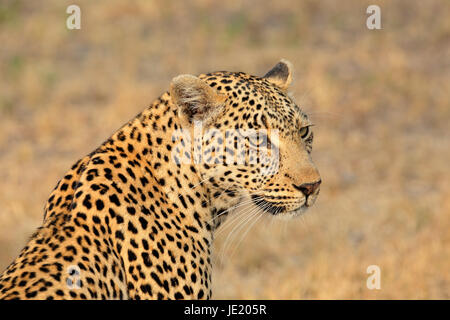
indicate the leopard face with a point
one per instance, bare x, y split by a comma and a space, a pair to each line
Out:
250, 139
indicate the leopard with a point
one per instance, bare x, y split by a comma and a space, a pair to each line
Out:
136, 218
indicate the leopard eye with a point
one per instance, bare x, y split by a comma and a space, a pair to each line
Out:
304, 132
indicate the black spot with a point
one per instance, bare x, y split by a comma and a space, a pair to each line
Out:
122, 177
131, 255
132, 228
183, 202
181, 273
146, 259
156, 278
119, 235
131, 173
87, 202
143, 222
99, 204
186, 289
113, 198
191, 228
146, 289
179, 296
31, 294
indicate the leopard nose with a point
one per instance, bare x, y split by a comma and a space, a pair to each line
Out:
308, 188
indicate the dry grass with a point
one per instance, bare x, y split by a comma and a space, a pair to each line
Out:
380, 101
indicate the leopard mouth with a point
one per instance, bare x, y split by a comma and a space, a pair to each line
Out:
277, 208
298, 212
269, 207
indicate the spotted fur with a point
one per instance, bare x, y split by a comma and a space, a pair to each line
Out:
133, 221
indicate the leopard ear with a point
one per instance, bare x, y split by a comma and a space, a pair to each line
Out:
280, 75
195, 98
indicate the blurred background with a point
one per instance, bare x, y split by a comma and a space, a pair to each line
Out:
379, 100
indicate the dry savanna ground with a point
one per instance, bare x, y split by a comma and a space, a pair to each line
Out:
379, 100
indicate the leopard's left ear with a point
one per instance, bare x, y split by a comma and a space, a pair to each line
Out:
280, 75
195, 98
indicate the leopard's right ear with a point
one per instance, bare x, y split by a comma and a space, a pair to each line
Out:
195, 98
